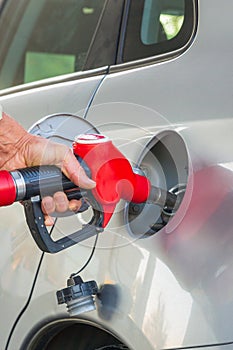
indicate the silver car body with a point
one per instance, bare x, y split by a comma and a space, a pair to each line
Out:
175, 287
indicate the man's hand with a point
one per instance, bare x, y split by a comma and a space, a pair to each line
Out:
20, 149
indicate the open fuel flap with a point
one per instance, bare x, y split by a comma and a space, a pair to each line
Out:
165, 162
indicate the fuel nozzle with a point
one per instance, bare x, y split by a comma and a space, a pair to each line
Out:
115, 180
165, 199
112, 173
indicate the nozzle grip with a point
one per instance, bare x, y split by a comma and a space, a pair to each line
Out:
43, 239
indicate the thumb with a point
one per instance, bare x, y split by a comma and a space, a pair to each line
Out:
74, 171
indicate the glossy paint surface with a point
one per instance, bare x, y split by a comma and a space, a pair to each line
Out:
175, 287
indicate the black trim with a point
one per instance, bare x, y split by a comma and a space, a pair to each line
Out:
134, 49
123, 31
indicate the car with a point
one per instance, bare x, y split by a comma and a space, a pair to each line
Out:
155, 77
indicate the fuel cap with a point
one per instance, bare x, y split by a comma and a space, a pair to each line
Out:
78, 296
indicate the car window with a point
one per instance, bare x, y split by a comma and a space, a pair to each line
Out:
45, 38
156, 27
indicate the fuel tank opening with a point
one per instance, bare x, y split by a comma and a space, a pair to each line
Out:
165, 162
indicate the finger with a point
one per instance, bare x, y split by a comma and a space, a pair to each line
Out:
48, 220
75, 205
72, 168
61, 202
48, 205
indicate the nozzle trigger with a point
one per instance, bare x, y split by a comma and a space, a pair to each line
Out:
43, 239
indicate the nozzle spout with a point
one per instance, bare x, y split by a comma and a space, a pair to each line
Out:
163, 198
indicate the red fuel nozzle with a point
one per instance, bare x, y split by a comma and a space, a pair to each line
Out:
112, 172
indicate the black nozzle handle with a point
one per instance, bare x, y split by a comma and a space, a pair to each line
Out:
43, 239
41, 180
36, 182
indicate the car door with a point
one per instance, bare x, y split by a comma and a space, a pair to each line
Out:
167, 81
47, 67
